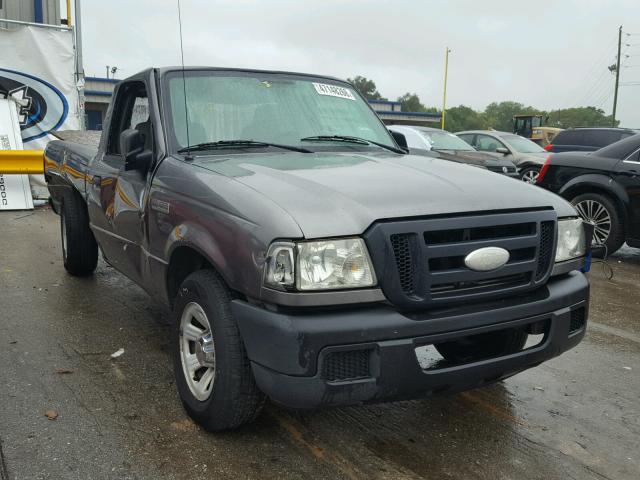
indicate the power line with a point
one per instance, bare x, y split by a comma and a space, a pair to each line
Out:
596, 87
605, 99
593, 69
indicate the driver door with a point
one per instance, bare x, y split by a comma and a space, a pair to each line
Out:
489, 144
120, 193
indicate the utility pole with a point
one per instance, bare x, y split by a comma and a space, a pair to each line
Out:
444, 95
79, 62
615, 92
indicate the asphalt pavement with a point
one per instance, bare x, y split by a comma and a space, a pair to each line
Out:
70, 411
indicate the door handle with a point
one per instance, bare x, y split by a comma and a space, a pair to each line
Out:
97, 179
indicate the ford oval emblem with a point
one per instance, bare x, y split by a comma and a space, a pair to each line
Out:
43, 108
486, 259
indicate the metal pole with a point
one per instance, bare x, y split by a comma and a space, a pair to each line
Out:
21, 162
444, 95
615, 92
33, 24
69, 21
79, 62
78, 29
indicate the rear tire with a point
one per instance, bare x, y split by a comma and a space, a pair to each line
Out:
601, 211
79, 247
217, 388
486, 345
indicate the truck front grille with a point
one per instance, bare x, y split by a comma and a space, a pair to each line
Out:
402, 251
545, 255
420, 263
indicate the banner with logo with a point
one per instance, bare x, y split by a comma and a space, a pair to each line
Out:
37, 71
15, 193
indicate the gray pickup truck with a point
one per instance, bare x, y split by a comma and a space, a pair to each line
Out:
308, 258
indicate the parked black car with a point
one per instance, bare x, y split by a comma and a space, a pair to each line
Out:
604, 186
587, 139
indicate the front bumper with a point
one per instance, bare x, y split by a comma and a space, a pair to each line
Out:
288, 351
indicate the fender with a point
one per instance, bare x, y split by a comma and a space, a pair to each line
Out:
599, 181
196, 237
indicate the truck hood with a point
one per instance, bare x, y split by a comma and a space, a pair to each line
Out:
337, 194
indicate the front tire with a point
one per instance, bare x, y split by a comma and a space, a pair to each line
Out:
601, 212
530, 175
213, 374
79, 247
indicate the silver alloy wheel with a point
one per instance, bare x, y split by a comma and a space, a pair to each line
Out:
197, 351
530, 176
596, 214
63, 228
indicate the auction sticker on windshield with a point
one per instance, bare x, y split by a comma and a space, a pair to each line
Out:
333, 91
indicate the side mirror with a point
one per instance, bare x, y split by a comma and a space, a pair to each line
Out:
400, 139
132, 150
502, 150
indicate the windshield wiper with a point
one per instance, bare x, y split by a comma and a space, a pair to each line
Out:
198, 147
350, 139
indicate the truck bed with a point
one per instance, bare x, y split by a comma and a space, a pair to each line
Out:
67, 162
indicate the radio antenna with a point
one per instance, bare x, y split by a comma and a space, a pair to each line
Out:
184, 83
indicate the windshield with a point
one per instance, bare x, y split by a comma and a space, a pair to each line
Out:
522, 145
266, 107
445, 141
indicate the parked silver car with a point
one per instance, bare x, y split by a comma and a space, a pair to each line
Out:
431, 141
525, 154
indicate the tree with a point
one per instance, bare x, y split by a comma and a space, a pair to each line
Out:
366, 87
579, 117
464, 118
411, 103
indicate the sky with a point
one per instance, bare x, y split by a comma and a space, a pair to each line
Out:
548, 54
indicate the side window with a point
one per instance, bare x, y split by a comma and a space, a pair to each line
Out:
569, 137
140, 112
131, 110
602, 138
414, 140
485, 143
626, 134
634, 157
470, 139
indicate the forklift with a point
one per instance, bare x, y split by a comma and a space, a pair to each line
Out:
530, 126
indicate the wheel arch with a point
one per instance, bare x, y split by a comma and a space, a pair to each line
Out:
600, 184
529, 164
184, 259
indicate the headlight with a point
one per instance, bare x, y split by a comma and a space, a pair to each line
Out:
280, 265
571, 240
320, 265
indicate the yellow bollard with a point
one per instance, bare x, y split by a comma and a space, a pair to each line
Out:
21, 161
